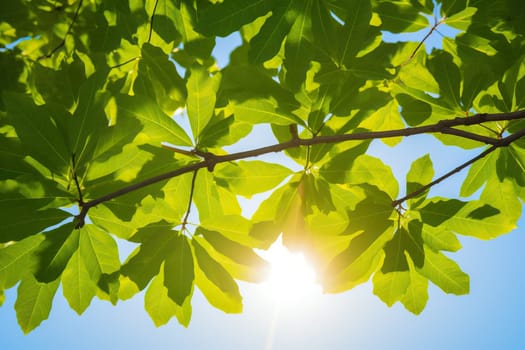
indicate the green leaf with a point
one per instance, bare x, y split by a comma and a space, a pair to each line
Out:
337, 169
12, 163
416, 295
228, 16
461, 20
372, 171
39, 132
161, 307
22, 222
448, 77
202, 90
398, 17
77, 285
414, 111
206, 196
369, 229
55, 251
215, 282
109, 286
29, 207
437, 210
385, 118
99, 251
223, 132
179, 271
18, 260
267, 43
372, 213
326, 28
158, 79
420, 174
88, 118
391, 287
157, 126
194, 43
247, 178
476, 218
233, 227
96, 254
33, 302
440, 238
405, 241
257, 111
144, 263
355, 30
444, 273
239, 260
298, 47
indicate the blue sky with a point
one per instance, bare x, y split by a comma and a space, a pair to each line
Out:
492, 316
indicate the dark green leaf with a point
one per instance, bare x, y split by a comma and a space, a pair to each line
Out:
179, 271
228, 16
41, 136
55, 251
145, 261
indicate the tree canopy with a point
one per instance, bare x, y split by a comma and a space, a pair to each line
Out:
116, 121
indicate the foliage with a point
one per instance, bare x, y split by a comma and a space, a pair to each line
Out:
94, 149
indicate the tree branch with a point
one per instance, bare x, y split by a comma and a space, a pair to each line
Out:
444, 126
63, 42
502, 143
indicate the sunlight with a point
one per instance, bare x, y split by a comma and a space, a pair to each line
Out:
291, 279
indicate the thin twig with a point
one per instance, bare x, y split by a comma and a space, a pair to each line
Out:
63, 42
125, 62
192, 189
503, 143
151, 20
210, 160
434, 27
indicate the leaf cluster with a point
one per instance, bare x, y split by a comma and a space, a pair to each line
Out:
118, 124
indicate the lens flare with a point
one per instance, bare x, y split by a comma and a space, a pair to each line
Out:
291, 279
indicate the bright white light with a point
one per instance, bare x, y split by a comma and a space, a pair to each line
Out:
291, 279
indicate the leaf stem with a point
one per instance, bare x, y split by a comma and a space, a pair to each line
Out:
125, 62
192, 189
75, 178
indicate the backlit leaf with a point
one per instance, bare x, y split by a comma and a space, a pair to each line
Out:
33, 302
17, 260
444, 273
157, 126
202, 89
250, 177
161, 307
215, 282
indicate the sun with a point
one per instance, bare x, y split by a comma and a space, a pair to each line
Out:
291, 278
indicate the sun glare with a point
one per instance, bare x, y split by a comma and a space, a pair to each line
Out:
291, 277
